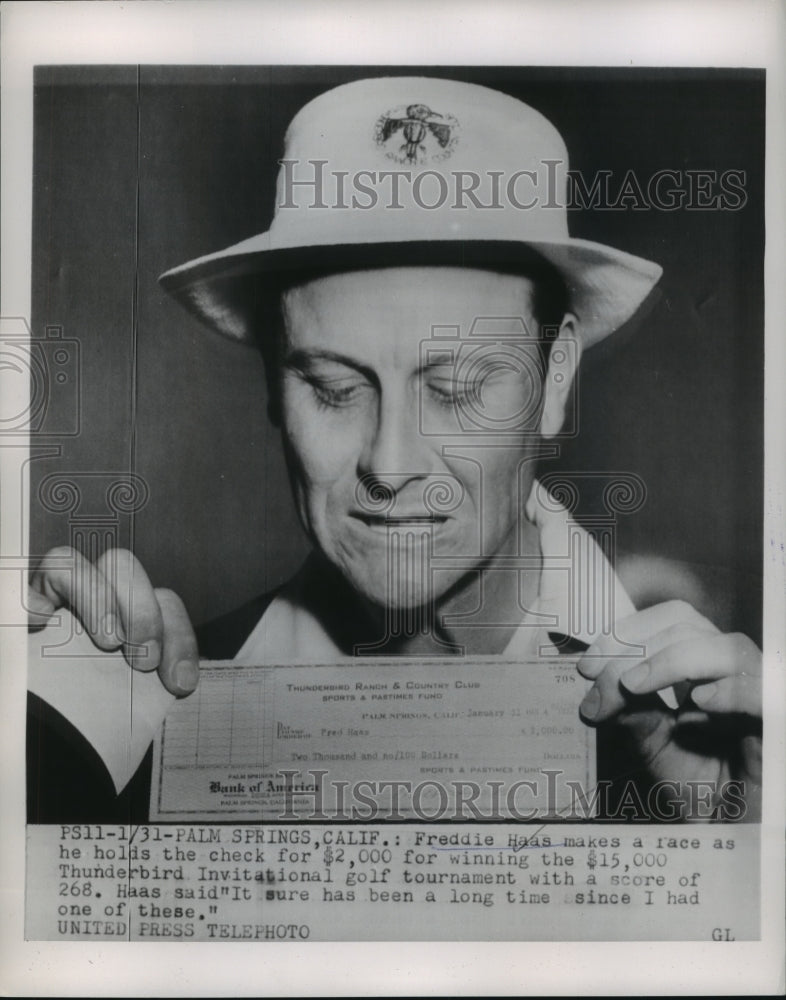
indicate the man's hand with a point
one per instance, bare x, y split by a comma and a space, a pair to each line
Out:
118, 607
715, 735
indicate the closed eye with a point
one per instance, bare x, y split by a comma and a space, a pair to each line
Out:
335, 381
336, 393
449, 393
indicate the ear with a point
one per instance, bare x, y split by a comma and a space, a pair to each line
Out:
564, 358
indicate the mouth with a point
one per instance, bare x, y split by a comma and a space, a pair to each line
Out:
383, 522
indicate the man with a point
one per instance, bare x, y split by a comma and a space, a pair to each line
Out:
412, 217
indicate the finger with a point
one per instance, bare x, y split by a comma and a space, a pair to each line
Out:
64, 578
680, 632
605, 698
697, 659
738, 693
673, 696
39, 608
179, 669
635, 630
140, 616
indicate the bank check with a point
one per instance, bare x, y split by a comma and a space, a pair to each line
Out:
376, 740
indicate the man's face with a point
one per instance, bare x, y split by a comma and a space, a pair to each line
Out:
376, 413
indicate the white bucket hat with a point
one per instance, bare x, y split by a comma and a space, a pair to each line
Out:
411, 170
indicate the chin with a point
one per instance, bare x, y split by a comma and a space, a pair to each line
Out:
403, 592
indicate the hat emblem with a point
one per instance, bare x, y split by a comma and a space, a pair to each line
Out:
428, 135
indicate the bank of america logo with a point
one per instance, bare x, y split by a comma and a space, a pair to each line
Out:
416, 134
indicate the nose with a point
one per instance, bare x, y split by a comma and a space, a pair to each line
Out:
395, 451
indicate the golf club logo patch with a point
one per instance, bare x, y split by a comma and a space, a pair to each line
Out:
416, 135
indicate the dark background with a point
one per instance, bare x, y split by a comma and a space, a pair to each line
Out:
140, 169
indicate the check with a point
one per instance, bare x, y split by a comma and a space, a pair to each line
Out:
376, 740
